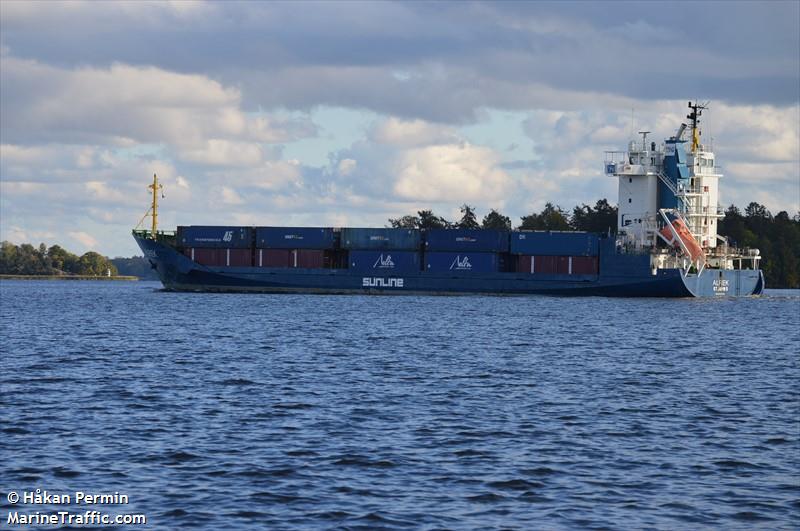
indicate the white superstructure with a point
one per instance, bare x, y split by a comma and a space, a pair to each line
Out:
674, 183
637, 170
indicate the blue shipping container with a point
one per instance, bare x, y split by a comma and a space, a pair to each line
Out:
294, 238
215, 237
462, 262
385, 262
554, 243
400, 239
486, 241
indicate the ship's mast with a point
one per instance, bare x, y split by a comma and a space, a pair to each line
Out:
694, 118
155, 187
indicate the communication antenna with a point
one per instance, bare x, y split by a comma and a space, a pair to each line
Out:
694, 119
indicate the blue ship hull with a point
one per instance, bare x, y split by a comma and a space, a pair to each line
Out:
620, 275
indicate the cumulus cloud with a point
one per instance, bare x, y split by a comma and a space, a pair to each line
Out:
412, 133
450, 172
229, 196
86, 118
435, 63
125, 105
347, 166
86, 240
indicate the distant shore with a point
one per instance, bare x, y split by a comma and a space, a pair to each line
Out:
67, 277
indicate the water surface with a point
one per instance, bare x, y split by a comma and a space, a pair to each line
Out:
224, 411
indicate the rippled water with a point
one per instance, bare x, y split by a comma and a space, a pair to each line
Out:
260, 411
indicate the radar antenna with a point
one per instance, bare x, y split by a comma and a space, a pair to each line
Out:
694, 119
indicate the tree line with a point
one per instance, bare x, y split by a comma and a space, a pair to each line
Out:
602, 217
777, 237
26, 259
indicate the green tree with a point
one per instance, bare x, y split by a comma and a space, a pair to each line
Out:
468, 218
62, 260
600, 218
755, 210
496, 220
9, 258
552, 217
93, 263
405, 222
31, 261
428, 220
425, 219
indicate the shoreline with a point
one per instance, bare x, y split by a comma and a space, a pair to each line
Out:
70, 277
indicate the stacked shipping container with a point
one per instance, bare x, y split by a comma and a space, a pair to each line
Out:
465, 250
464, 262
555, 253
306, 258
220, 257
303, 247
393, 251
215, 237
294, 238
476, 240
557, 265
381, 239
554, 243
385, 262
217, 246
382, 251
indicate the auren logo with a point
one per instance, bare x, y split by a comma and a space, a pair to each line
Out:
383, 263
461, 264
377, 282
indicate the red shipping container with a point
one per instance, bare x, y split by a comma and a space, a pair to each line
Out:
584, 265
274, 258
207, 256
545, 264
562, 265
524, 264
308, 258
240, 257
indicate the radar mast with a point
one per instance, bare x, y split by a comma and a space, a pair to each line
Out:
694, 119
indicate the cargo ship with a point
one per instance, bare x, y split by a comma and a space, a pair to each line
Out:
666, 245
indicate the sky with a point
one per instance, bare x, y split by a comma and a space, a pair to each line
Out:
349, 113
